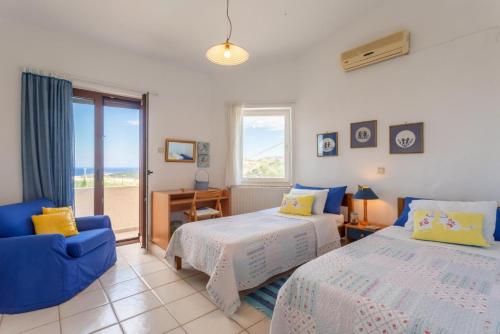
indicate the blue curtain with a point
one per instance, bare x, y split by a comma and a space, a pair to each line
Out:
47, 139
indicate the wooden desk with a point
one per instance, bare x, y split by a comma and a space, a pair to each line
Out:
166, 202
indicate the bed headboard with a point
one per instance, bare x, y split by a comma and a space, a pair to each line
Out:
347, 202
401, 205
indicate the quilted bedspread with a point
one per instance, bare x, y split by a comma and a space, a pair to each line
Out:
388, 284
241, 252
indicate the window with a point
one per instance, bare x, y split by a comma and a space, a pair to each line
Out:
265, 147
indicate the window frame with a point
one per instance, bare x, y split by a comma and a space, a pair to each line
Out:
269, 110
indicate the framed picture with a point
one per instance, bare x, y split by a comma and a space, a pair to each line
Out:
406, 138
327, 144
364, 134
180, 150
203, 154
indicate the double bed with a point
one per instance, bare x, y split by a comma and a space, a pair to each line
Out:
391, 283
241, 252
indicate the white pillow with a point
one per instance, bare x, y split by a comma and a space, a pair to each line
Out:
487, 208
319, 198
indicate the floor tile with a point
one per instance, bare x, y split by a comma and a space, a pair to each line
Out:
198, 282
161, 277
190, 308
213, 323
152, 322
186, 271
131, 306
261, 327
89, 321
52, 328
117, 276
125, 289
178, 330
83, 302
15, 323
115, 329
149, 267
247, 316
96, 285
173, 291
140, 258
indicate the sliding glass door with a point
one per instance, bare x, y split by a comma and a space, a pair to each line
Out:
109, 160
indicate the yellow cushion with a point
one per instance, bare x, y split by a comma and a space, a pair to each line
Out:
297, 204
452, 227
54, 223
67, 209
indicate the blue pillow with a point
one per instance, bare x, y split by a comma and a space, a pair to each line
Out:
15, 219
333, 200
497, 229
406, 210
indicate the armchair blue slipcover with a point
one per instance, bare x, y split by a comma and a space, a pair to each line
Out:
38, 271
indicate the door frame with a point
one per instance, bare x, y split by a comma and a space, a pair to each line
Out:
120, 101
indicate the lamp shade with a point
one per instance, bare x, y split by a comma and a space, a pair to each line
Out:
365, 192
227, 54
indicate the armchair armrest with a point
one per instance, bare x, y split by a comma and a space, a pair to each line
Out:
92, 222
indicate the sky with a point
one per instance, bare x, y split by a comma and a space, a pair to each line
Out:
121, 136
263, 136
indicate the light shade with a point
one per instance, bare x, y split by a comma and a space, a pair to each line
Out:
365, 192
227, 54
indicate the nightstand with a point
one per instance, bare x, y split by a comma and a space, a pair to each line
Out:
356, 232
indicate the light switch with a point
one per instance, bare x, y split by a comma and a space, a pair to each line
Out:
381, 170
161, 150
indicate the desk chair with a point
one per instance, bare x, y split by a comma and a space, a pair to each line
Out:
195, 214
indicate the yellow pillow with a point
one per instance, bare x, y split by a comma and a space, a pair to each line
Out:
452, 227
67, 209
54, 223
297, 204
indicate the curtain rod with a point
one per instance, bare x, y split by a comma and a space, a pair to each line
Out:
84, 82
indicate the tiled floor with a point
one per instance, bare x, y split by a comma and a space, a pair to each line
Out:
140, 294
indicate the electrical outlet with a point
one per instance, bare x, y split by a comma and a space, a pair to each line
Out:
381, 170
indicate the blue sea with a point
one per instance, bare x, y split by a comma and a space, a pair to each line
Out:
109, 170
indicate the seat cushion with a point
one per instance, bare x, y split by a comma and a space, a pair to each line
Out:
15, 219
86, 241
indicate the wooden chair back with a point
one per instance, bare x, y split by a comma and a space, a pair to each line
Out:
206, 195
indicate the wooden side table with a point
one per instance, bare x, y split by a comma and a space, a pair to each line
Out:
359, 231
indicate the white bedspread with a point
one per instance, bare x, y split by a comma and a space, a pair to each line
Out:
241, 252
389, 283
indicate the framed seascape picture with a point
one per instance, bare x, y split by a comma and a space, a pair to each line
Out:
406, 138
203, 154
364, 134
327, 144
180, 150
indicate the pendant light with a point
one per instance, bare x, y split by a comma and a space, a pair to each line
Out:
227, 53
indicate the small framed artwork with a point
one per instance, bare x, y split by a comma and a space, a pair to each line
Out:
203, 154
364, 134
406, 138
180, 150
327, 144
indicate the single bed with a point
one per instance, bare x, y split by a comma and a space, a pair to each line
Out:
241, 252
391, 283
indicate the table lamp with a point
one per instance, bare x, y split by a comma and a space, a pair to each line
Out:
365, 193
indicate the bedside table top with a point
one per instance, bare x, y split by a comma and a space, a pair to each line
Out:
368, 227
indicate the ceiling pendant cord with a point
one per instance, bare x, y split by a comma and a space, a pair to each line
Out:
229, 21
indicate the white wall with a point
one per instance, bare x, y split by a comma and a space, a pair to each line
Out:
182, 109
450, 81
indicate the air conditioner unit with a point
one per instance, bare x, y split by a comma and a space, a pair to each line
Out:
391, 46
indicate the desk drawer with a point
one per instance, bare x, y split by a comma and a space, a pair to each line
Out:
355, 234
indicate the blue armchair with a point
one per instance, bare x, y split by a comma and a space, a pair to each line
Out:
38, 271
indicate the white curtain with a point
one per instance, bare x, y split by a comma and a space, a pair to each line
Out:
233, 164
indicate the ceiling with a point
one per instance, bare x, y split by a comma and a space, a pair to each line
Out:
182, 30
